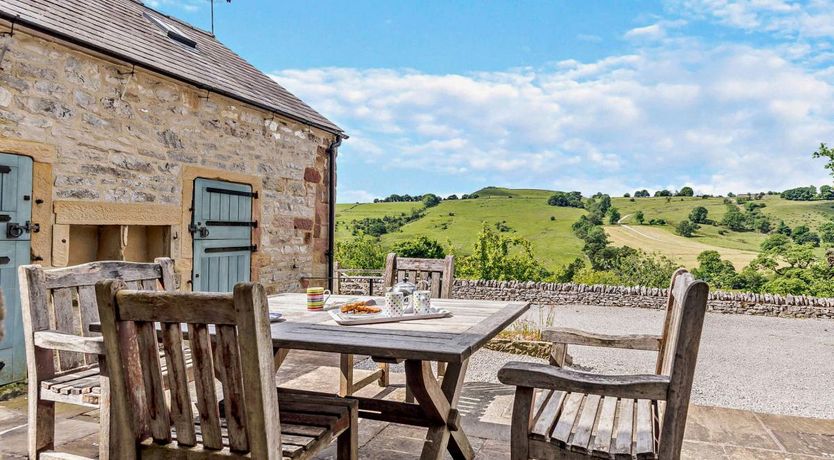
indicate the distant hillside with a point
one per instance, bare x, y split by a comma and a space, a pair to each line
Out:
525, 213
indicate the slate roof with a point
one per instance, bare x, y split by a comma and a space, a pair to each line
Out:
119, 28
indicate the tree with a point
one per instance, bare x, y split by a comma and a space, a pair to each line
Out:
595, 242
826, 192
734, 219
639, 217
717, 272
452, 197
698, 215
599, 204
827, 232
783, 228
566, 199
361, 252
686, 191
421, 247
642, 194
686, 228
828, 153
613, 216
775, 242
663, 193
803, 235
430, 200
800, 193
626, 195
497, 256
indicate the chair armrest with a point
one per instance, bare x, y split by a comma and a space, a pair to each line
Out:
576, 337
535, 375
63, 341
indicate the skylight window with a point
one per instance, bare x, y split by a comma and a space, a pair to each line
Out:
172, 32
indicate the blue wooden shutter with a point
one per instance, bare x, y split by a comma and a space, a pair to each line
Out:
222, 233
15, 227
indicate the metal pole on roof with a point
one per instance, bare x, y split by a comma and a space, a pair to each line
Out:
212, 14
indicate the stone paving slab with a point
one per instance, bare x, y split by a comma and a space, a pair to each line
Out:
711, 433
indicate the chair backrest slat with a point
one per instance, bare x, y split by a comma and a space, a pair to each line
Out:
667, 322
438, 273
66, 320
242, 358
181, 412
679, 355
228, 352
160, 423
207, 407
90, 273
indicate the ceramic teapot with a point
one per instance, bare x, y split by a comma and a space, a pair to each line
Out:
407, 288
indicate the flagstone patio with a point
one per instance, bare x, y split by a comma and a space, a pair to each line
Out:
712, 432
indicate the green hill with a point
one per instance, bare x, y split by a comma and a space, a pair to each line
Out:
525, 213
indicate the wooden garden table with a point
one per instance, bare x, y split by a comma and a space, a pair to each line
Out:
451, 340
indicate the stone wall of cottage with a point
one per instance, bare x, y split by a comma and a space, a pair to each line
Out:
124, 136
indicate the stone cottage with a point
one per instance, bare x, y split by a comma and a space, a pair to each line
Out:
127, 134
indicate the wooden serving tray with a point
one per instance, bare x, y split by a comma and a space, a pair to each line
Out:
355, 320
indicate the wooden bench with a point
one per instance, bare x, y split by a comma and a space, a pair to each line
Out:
582, 415
439, 273
229, 332
62, 356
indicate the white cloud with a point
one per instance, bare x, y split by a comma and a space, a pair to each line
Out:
355, 196
652, 31
724, 118
811, 18
187, 5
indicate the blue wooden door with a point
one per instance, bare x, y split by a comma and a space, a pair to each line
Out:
221, 229
15, 228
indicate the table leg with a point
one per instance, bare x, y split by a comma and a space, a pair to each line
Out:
280, 355
438, 402
452, 385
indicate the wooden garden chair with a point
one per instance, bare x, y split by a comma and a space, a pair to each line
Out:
62, 356
561, 337
439, 273
581, 415
248, 423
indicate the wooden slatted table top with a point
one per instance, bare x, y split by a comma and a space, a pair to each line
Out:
452, 339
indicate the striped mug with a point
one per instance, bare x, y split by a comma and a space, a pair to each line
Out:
316, 298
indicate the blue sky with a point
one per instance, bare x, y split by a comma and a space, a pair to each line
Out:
448, 97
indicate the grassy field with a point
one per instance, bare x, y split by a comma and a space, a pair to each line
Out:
527, 215
680, 249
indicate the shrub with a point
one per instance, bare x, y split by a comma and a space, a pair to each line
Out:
639, 217
699, 215
613, 216
803, 235
591, 276
421, 247
430, 200
686, 228
566, 199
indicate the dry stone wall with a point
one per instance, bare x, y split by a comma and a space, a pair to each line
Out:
643, 297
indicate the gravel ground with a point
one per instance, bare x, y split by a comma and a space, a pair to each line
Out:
774, 365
